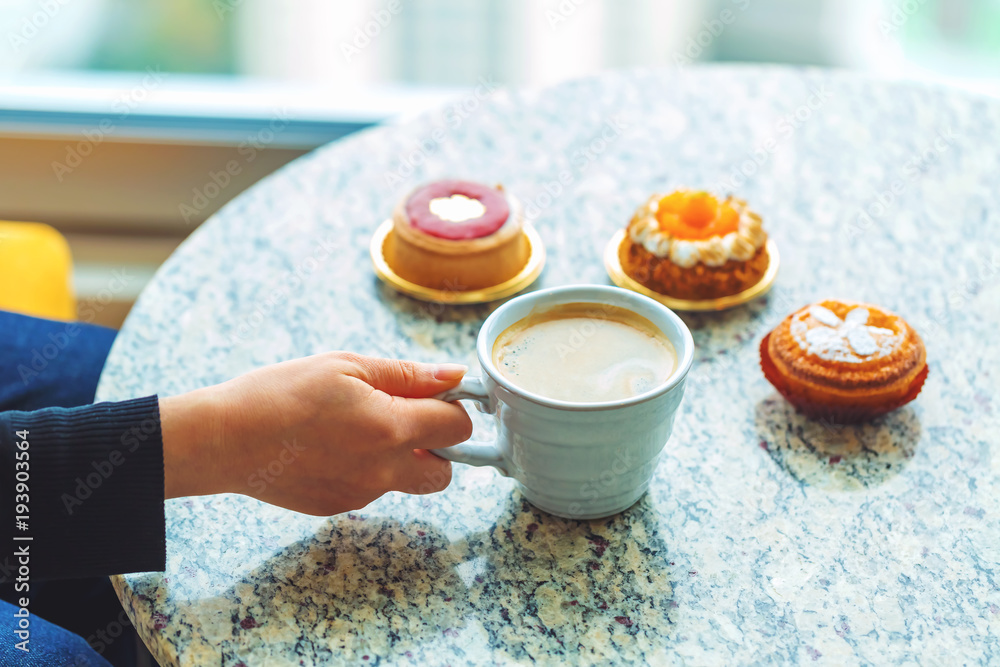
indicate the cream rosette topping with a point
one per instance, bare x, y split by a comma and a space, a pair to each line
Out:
692, 226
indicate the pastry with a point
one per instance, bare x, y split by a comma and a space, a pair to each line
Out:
456, 236
692, 245
844, 361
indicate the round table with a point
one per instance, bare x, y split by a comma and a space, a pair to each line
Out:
765, 537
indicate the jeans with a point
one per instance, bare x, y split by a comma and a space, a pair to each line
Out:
48, 645
45, 363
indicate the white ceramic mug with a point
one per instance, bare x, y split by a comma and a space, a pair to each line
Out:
574, 460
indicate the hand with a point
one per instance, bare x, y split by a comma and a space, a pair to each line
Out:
320, 435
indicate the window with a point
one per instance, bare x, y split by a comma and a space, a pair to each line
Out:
519, 42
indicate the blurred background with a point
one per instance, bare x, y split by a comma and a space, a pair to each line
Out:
117, 115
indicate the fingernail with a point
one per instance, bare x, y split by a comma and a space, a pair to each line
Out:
449, 372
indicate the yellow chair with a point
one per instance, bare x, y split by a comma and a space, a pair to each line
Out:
36, 271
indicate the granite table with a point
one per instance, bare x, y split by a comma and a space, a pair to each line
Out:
766, 538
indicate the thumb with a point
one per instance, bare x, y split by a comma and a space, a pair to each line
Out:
408, 379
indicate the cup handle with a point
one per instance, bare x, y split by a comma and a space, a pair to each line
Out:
471, 453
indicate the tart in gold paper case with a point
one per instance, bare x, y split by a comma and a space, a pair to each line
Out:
457, 242
844, 361
694, 251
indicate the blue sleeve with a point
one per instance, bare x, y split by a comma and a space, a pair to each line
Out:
82, 490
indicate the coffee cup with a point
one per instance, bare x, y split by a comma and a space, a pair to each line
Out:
574, 459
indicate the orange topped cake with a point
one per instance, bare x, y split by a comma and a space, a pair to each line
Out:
457, 235
844, 361
692, 245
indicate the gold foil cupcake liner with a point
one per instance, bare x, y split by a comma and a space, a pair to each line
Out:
612, 263
527, 275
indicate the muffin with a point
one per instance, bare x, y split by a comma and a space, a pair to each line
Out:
844, 361
457, 235
692, 245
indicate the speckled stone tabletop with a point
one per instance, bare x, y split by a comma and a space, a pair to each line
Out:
765, 538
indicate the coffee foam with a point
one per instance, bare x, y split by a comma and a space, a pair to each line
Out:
585, 353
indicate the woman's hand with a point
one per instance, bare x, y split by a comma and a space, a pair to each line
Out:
319, 435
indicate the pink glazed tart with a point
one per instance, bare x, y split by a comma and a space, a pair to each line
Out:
457, 236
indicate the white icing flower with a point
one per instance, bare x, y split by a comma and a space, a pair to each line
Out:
851, 339
457, 208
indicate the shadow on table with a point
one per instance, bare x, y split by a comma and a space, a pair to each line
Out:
537, 584
561, 588
724, 329
836, 457
360, 585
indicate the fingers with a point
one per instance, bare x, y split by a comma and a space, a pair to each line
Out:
425, 423
422, 472
408, 379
